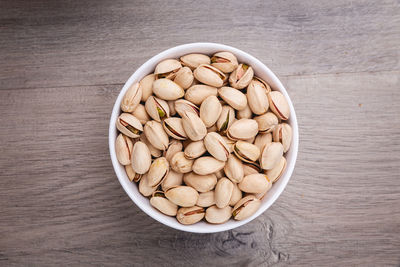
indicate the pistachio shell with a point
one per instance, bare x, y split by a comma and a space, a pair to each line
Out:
174, 147
193, 126
141, 158
233, 97
129, 125
209, 75
216, 146
279, 105
131, 98
156, 135
224, 61
241, 76
236, 195
180, 163
184, 196
159, 202
207, 165
199, 92
157, 108
158, 171
182, 106
210, 110
173, 127
167, 90
229, 142
190, 215
223, 192
195, 150
144, 188
172, 179
245, 151
266, 122
132, 175
257, 97
254, 183
216, 215
147, 86
226, 118
234, 169
123, 149
141, 114
153, 151
264, 84
202, 183
167, 68
243, 129
275, 173
262, 140
246, 207
283, 133
206, 199
194, 60
244, 113
251, 168
271, 155
184, 77
171, 106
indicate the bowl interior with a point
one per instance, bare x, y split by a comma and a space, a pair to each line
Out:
261, 71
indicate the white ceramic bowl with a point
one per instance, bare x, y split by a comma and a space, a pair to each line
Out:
261, 71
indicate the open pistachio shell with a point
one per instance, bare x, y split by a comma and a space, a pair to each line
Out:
283, 133
279, 105
184, 196
141, 158
209, 75
233, 97
257, 97
206, 199
158, 171
161, 203
184, 77
131, 98
202, 183
243, 129
147, 86
271, 155
167, 68
224, 61
132, 175
182, 106
275, 173
156, 135
141, 114
216, 146
226, 118
172, 179
180, 163
144, 188
173, 127
195, 149
190, 215
262, 140
193, 126
158, 109
174, 147
194, 60
266, 122
251, 168
207, 165
216, 215
254, 183
246, 207
129, 125
234, 169
210, 110
167, 90
223, 192
241, 76
123, 149
245, 151
199, 92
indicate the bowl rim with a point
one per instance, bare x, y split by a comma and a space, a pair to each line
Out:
149, 64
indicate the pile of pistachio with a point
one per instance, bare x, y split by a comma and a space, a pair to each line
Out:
203, 138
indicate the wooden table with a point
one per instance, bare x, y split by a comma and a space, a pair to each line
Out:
63, 64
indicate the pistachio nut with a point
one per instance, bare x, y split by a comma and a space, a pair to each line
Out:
250, 168
199, 92
167, 90
243, 129
216, 215
206, 199
153, 151
241, 76
264, 84
131, 98
184, 196
123, 149
157, 108
171, 106
141, 158
220, 174
244, 113
182, 106
254, 183
216, 146
207, 165
190, 215
279, 105
246, 207
132, 175
223, 192
236, 195
283, 133
262, 140
271, 155
167, 68
172, 179
195, 150
141, 114
174, 147
194, 60
276, 172
233, 97
184, 77
129, 125
229, 142
226, 118
245, 151
266, 122
162, 204
193, 126
158, 171
180, 163
209, 75
224, 61
234, 169
147, 86
210, 110
173, 127
144, 188
257, 97
202, 183
156, 135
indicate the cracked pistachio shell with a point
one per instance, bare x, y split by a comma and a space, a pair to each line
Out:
190, 215
182, 106
147, 86
241, 76
283, 133
156, 135
157, 108
233, 97
234, 169
132, 175
173, 127
202, 183
129, 125
224, 61
223, 192
195, 150
184, 77
199, 92
194, 60
216, 215
144, 188
266, 122
209, 75
141, 114
123, 149
171, 106
141, 158
193, 126
206, 199
236, 195
257, 97
180, 163
226, 118
184, 196
207, 165
244, 113
167, 68
153, 151
279, 105
172, 179
216, 146
167, 90
174, 147
254, 183
162, 204
251, 168
158, 171
131, 98
246, 207
243, 129
275, 173
246, 151
263, 139
210, 110
271, 155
